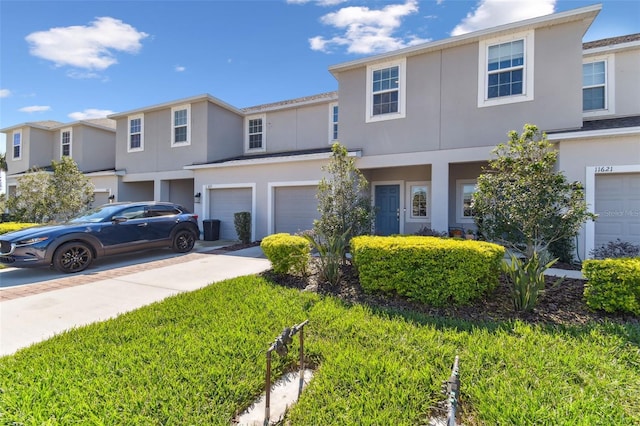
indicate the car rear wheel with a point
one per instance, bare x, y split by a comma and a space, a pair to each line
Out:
72, 257
183, 241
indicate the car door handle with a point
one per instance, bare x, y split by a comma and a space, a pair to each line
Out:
143, 224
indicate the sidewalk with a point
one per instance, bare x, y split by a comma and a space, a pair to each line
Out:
81, 300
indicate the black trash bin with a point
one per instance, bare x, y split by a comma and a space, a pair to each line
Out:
211, 229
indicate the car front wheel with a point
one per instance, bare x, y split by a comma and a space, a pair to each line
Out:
72, 257
183, 241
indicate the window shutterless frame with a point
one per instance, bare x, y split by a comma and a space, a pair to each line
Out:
135, 134
386, 91
505, 69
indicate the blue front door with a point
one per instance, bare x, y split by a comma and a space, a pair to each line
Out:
387, 209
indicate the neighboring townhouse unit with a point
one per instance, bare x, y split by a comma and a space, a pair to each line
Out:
276, 174
90, 143
421, 123
153, 144
604, 153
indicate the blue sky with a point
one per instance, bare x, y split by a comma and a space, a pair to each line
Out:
72, 60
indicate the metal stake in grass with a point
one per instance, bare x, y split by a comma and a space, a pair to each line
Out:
453, 390
281, 347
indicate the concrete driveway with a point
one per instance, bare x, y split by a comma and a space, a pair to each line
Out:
34, 309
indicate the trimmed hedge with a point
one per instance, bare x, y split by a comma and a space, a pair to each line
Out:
14, 226
430, 270
613, 284
287, 253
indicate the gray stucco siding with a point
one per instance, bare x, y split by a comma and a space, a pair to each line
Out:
442, 99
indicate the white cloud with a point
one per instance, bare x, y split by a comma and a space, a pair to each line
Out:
180, 68
35, 108
90, 113
5, 93
91, 47
366, 30
491, 13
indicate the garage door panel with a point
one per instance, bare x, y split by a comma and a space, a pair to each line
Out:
618, 206
295, 208
224, 203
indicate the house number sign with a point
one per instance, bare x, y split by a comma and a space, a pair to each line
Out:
604, 169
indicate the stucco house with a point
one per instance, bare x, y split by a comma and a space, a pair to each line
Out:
91, 144
421, 123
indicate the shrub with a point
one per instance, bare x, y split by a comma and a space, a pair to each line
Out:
14, 226
431, 270
287, 253
613, 284
615, 250
563, 249
242, 222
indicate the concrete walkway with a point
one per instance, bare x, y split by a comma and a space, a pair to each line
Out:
79, 300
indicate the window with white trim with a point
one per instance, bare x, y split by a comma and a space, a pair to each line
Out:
598, 86
333, 122
255, 136
419, 200
65, 143
136, 133
506, 70
465, 188
17, 145
386, 91
181, 125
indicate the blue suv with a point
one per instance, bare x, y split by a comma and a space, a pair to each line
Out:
106, 230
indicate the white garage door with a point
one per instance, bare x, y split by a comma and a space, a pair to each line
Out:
100, 198
295, 208
618, 208
224, 203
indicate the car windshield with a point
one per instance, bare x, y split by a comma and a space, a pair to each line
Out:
98, 214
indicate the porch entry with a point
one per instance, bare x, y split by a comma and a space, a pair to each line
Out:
387, 209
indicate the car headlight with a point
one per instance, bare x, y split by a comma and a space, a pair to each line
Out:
30, 241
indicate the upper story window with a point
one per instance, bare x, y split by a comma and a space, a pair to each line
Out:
180, 125
506, 70
333, 122
386, 97
17, 145
255, 137
597, 86
136, 134
65, 143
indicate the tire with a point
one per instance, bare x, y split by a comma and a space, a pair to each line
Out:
183, 241
72, 257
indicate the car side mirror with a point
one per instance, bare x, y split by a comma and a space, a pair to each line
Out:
118, 219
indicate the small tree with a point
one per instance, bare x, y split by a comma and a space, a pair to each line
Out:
522, 202
344, 206
70, 191
58, 195
30, 203
345, 211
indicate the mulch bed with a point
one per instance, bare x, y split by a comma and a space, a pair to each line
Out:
561, 304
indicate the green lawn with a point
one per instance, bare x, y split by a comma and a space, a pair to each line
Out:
199, 359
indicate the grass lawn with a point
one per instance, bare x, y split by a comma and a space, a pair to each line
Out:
199, 359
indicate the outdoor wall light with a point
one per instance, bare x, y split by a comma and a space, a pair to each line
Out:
196, 197
111, 198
